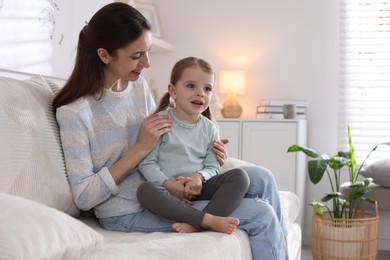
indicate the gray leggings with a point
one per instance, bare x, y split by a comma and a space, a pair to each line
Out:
225, 192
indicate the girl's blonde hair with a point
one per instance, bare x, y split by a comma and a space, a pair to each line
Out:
177, 72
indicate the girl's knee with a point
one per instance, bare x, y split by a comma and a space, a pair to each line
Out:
145, 190
240, 177
244, 178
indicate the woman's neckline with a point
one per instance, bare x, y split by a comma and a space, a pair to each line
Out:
122, 92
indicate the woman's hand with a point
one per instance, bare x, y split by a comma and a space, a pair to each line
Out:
220, 150
151, 129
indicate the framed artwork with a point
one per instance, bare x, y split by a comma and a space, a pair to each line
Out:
129, 2
150, 12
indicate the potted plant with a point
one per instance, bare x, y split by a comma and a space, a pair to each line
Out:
329, 232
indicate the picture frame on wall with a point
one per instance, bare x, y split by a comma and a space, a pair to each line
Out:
150, 12
129, 2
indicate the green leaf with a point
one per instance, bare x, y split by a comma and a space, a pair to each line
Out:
369, 200
352, 154
316, 170
336, 163
359, 188
308, 151
365, 182
385, 143
332, 195
344, 154
317, 208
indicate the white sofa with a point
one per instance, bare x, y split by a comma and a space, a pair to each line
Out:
38, 218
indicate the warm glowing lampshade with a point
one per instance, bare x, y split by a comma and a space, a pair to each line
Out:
232, 82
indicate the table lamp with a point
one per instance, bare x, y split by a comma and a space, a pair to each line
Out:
232, 82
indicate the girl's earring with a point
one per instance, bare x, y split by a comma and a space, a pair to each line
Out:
172, 102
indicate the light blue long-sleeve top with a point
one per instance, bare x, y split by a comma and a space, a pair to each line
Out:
95, 134
183, 151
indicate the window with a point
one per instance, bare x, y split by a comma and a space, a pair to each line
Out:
364, 85
26, 29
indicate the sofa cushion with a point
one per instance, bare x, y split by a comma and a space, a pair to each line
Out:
30, 230
379, 171
231, 163
32, 164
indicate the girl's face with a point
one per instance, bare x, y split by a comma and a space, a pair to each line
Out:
130, 60
192, 93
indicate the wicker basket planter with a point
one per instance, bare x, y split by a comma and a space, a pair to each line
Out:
336, 239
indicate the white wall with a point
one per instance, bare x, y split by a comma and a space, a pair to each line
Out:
82, 11
289, 49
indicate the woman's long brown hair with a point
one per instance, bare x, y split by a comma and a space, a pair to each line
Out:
113, 27
177, 72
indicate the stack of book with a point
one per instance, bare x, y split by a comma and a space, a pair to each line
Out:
273, 108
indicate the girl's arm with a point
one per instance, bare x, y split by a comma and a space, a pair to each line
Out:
150, 168
210, 163
210, 169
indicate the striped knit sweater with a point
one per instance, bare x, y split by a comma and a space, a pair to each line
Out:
97, 133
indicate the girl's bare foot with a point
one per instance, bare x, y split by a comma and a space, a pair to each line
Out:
220, 224
184, 228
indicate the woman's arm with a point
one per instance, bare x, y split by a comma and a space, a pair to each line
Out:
85, 155
151, 129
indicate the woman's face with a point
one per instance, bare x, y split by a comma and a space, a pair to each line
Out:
131, 59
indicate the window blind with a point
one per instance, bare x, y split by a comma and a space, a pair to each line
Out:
364, 78
26, 28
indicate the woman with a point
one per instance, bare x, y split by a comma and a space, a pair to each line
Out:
105, 135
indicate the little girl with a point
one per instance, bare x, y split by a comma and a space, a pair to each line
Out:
183, 161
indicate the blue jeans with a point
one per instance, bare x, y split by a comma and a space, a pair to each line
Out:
263, 185
258, 215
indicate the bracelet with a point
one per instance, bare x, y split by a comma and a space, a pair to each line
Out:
203, 178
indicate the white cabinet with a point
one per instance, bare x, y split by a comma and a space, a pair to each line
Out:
231, 130
265, 143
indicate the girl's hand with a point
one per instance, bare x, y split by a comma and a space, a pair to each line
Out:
194, 186
220, 150
177, 187
151, 129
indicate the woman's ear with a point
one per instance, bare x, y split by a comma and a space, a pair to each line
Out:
103, 55
172, 90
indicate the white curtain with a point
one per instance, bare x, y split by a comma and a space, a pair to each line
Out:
364, 89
